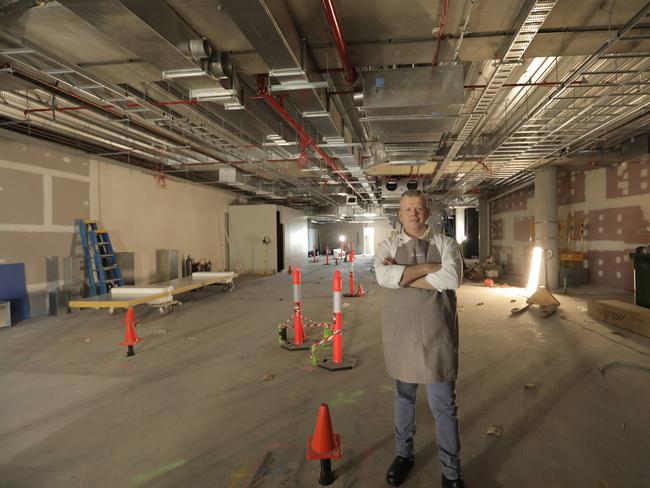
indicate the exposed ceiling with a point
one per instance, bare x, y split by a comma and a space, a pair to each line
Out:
310, 103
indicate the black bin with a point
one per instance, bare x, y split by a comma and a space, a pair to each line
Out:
641, 260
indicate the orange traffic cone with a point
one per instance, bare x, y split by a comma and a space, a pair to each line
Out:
289, 271
130, 337
130, 316
360, 291
323, 441
324, 445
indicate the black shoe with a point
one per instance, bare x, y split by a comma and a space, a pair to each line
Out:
399, 470
459, 483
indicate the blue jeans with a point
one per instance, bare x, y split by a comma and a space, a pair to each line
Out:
442, 401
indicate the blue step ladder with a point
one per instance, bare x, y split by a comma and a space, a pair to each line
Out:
102, 270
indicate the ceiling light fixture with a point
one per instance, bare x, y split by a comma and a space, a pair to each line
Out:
315, 113
182, 73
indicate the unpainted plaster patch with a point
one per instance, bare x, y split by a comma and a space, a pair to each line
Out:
608, 268
619, 224
633, 179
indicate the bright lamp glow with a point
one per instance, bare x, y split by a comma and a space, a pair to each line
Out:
342, 238
535, 268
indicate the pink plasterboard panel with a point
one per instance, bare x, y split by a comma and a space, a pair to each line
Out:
570, 187
523, 228
625, 224
496, 230
628, 179
512, 202
612, 269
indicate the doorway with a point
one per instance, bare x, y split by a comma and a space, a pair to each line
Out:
279, 233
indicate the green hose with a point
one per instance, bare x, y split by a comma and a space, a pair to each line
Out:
623, 364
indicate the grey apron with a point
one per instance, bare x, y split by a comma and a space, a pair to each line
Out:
420, 327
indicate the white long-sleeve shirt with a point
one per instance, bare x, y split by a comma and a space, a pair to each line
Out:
449, 277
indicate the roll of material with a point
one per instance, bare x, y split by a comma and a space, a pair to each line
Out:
203, 275
132, 291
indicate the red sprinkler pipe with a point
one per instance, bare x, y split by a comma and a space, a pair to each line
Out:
304, 135
441, 28
337, 349
332, 19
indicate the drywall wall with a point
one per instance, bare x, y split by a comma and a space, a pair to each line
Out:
44, 187
614, 203
383, 230
511, 229
248, 225
40, 184
142, 217
295, 236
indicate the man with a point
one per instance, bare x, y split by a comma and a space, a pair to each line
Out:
419, 270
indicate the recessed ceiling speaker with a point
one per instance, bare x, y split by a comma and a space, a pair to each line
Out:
391, 185
412, 185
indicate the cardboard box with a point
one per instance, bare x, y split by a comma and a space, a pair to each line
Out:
492, 273
625, 315
492, 270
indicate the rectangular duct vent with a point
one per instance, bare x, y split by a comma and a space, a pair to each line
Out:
426, 91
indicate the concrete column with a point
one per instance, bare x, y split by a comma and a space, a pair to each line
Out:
483, 229
546, 223
460, 225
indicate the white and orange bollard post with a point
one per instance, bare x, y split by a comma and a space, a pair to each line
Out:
314, 256
337, 362
352, 291
351, 266
299, 342
327, 255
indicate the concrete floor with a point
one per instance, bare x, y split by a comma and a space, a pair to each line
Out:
192, 408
